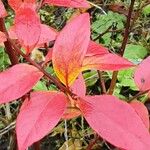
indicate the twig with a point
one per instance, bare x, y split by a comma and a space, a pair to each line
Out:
92, 143
98, 7
4, 121
82, 125
123, 46
7, 128
102, 82
138, 94
13, 142
66, 135
7, 111
113, 82
8, 48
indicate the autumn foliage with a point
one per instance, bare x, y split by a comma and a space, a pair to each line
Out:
124, 125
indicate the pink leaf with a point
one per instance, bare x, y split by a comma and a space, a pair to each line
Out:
71, 113
30, 1
39, 115
142, 75
116, 121
96, 49
68, 3
70, 48
27, 26
3, 12
105, 62
141, 111
47, 34
79, 87
17, 81
93, 49
2, 37
57, 2
79, 3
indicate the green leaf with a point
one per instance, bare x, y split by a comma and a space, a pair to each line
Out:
103, 22
146, 10
125, 78
4, 59
52, 87
90, 78
117, 92
135, 53
40, 86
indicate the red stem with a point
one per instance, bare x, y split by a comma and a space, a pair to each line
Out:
36, 146
8, 48
102, 82
92, 143
123, 46
57, 82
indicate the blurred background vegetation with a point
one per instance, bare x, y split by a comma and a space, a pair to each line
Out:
108, 19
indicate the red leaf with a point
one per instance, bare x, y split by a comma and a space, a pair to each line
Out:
27, 26
96, 49
141, 111
17, 81
3, 12
70, 48
39, 116
79, 87
142, 75
116, 121
68, 3
16, 4
47, 34
106, 62
2, 37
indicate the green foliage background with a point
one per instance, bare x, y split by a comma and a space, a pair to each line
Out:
137, 49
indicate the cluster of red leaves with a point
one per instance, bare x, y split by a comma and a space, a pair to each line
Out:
73, 52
